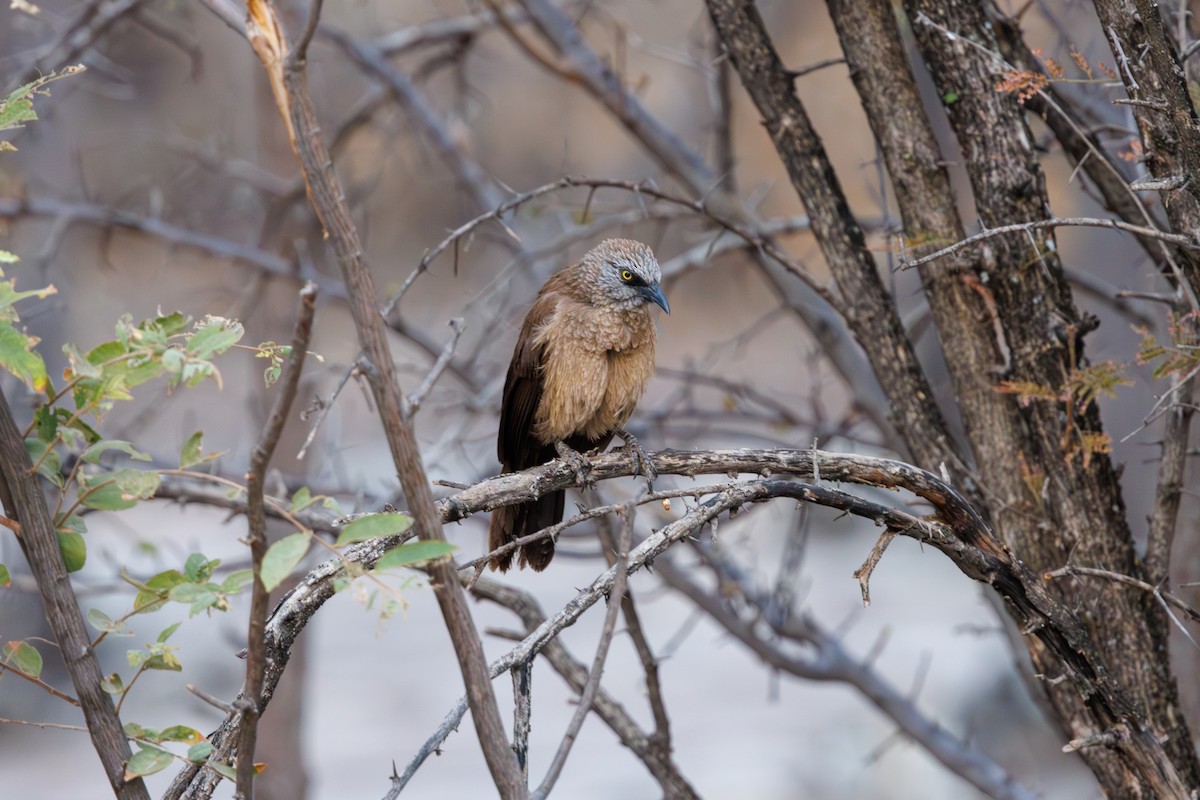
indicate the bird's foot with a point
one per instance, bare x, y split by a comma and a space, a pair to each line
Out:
641, 462
578, 462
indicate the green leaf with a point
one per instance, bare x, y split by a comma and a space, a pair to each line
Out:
117, 490
302, 498
199, 568
237, 581
167, 631
372, 526
198, 596
282, 557
17, 356
24, 658
199, 752
167, 325
78, 362
190, 455
70, 422
164, 661
153, 593
46, 420
213, 337
112, 683
105, 624
181, 733
147, 761
224, 770
93, 453
412, 553
950, 98
133, 730
5, 578
72, 524
47, 459
10, 296
17, 108
74, 550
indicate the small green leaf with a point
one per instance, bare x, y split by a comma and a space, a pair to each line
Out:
224, 770
45, 456
93, 453
372, 526
112, 683
167, 631
190, 454
24, 657
47, 424
950, 98
78, 362
168, 325
199, 752
118, 489
133, 730
17, 108
282, 557
74, 550
103, 623
237, 581
17, 356
153, 593
199, 568
164, 661
213, 337
189, 592
72, 524
99, 620
181, 733
147, 761
412, 553
10, 296
302, 498
5, 578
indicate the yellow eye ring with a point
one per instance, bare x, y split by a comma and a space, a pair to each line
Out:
626, 275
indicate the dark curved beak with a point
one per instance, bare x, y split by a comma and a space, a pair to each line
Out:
654, 294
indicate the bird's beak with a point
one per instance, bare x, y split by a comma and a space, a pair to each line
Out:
654, 294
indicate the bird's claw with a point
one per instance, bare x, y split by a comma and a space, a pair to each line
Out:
642, 465
578, 463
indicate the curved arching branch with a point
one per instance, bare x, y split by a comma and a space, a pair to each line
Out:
954, 528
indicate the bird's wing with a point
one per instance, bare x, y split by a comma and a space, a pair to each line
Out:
516, 446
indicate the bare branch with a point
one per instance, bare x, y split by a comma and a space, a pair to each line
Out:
443, 360
588, 695
1058, 222
328, 200
249, 701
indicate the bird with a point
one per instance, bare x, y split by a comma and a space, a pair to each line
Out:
582, 360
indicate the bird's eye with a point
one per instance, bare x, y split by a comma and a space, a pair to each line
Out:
626, 275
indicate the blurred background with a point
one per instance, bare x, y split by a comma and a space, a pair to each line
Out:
162, 179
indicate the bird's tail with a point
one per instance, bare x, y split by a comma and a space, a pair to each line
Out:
513, 522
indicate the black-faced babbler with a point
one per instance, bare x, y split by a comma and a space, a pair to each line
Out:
582, 360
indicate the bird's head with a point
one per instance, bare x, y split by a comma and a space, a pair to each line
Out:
624, 274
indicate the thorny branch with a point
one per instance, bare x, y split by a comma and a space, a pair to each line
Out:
290, 88
289, 382
1059, 222
956, 530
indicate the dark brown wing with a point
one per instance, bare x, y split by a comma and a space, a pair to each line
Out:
516, 446
518, 449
